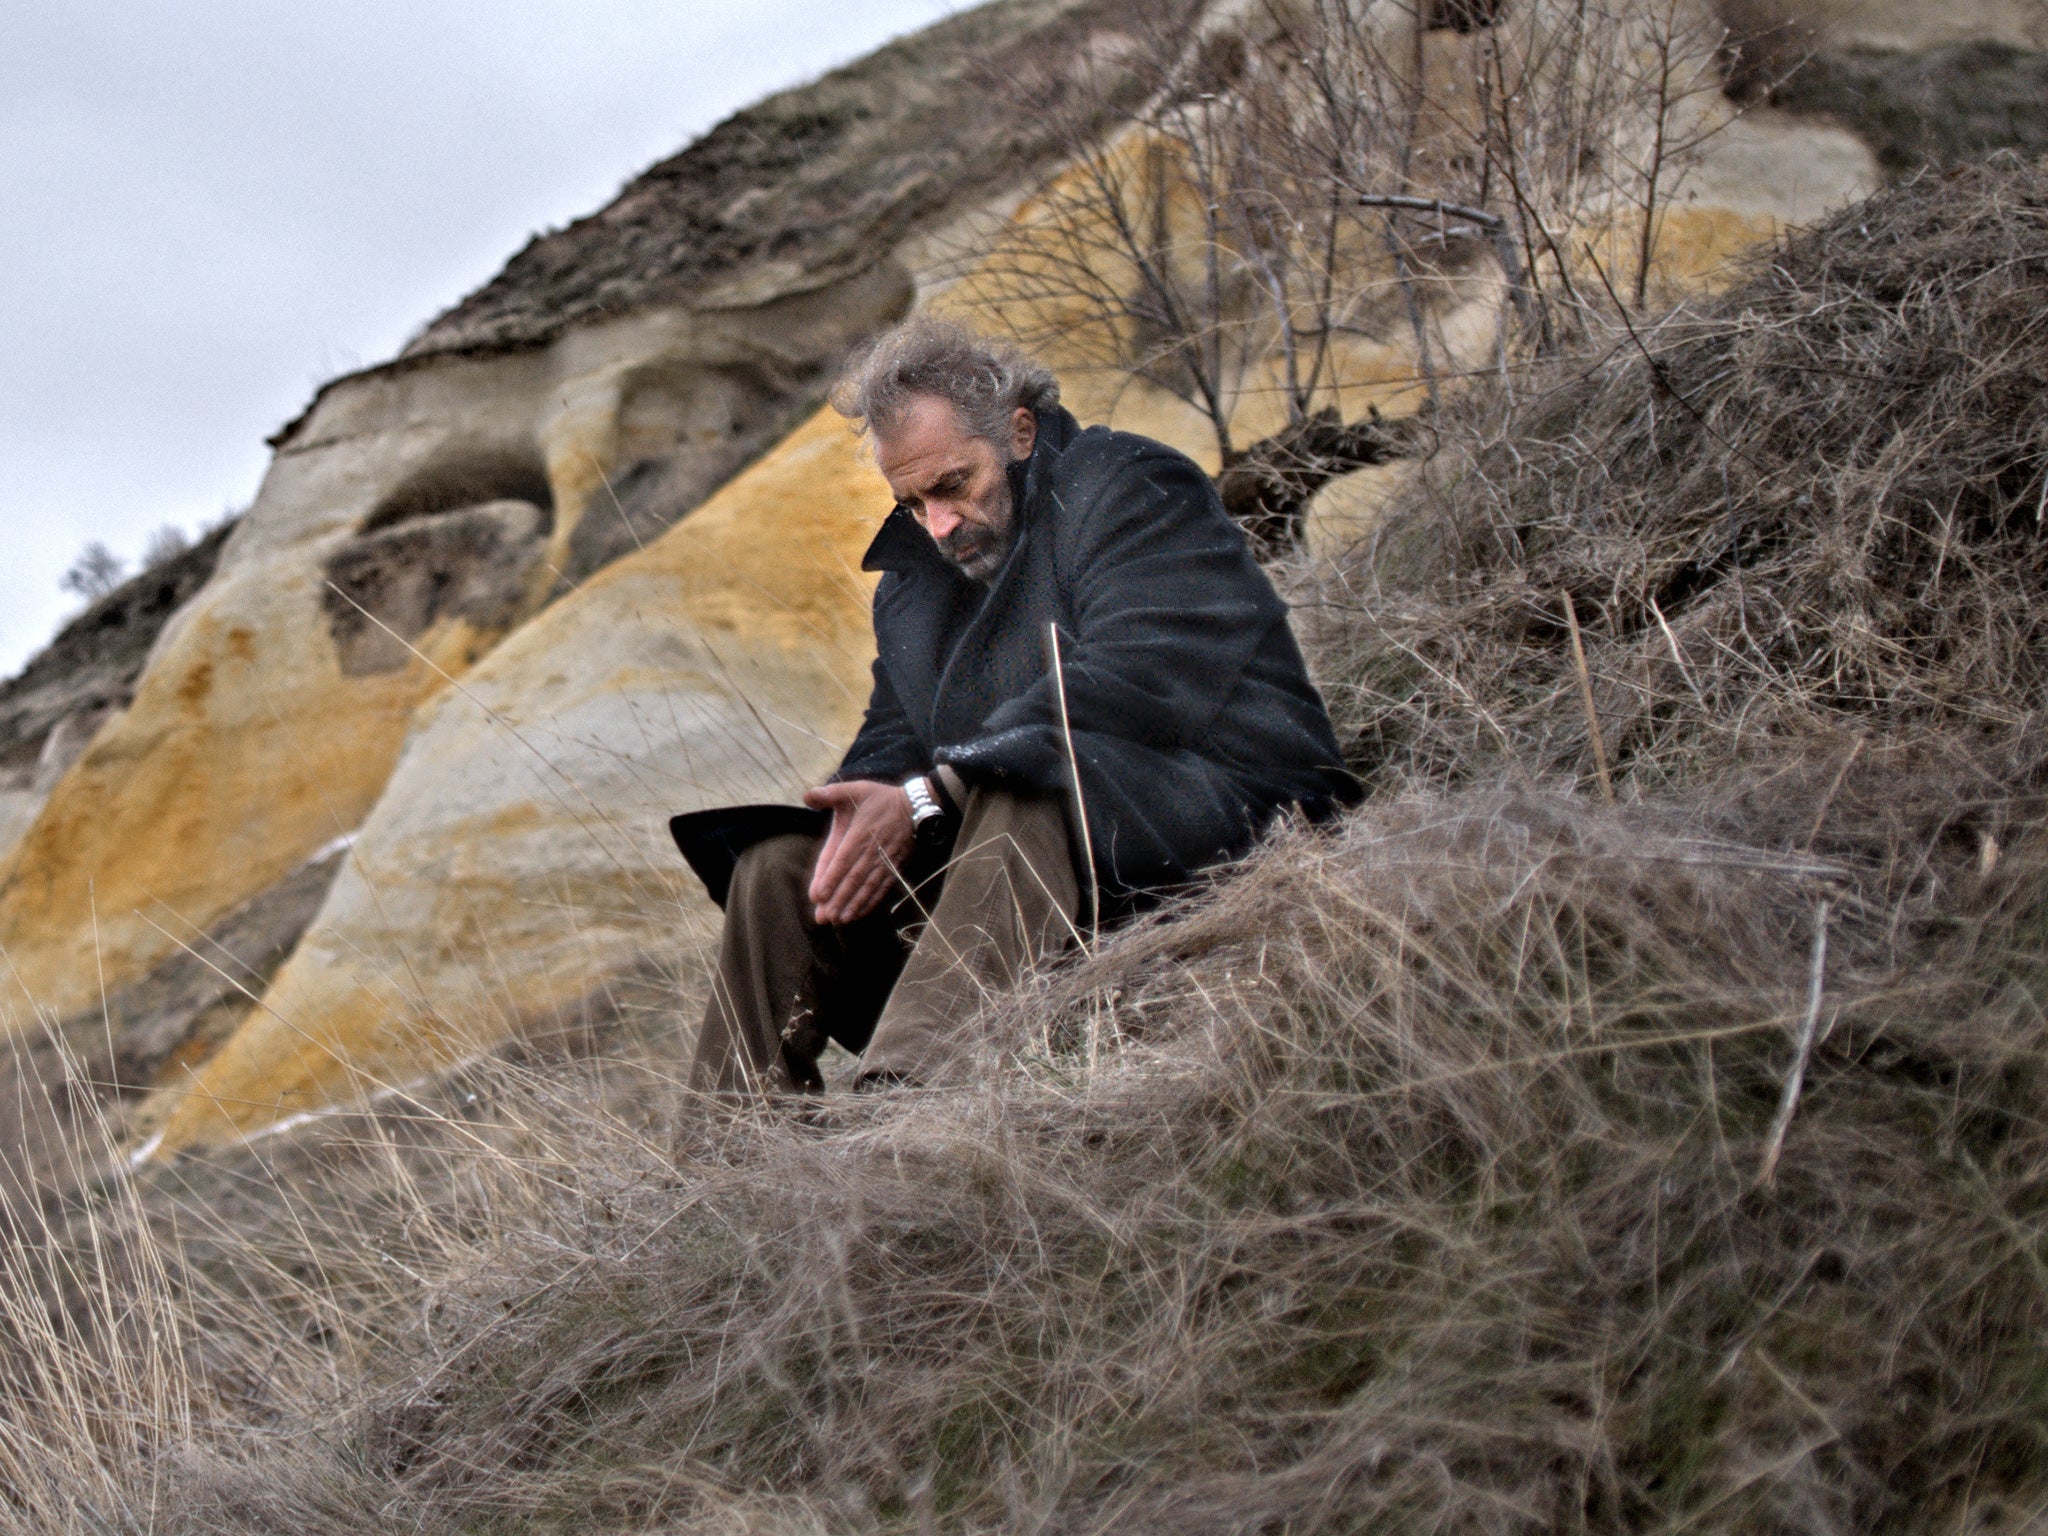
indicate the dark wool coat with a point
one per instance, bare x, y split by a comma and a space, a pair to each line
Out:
1193, 718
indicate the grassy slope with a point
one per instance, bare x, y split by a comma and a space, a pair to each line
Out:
1497, 1161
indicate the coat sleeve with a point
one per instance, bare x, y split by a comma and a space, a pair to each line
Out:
886, 747
1167, 608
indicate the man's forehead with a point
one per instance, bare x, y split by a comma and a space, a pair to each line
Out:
926, 440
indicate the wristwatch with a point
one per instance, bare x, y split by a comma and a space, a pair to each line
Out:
924, 800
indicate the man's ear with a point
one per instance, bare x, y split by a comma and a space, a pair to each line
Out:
1023, 433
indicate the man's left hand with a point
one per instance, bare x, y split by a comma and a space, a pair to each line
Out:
870, 837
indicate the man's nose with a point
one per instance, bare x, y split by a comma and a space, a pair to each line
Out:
940, 519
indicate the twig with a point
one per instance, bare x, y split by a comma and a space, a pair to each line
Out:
1435, 205
1788, 1101
1059, 682
1671, 640
1827, 800
1416, 322
1571, 617
1497, 234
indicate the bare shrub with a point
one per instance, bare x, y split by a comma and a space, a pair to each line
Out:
1806, 512
95, 573
98, 571
1281, 200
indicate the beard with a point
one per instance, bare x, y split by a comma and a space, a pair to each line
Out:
978, 549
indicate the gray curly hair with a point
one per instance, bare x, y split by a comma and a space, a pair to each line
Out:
983, 379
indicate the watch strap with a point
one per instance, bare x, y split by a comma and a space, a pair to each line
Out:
924, 800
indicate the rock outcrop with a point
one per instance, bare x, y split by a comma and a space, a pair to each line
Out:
517, 874
50, 710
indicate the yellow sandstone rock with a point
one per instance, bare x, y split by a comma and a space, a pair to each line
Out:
243, 751
520, 860
411, 519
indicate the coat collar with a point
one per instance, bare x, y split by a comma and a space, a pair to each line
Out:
900, 545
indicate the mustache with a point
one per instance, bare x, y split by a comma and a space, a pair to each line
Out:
965, 542
976, 554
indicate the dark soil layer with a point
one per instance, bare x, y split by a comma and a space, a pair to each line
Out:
92, 664
818, 182
1939, 108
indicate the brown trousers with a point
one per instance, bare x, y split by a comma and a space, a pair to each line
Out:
897, 986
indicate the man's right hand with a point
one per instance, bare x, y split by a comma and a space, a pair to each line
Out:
870, 838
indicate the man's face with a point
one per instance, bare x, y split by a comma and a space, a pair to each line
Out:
954, 483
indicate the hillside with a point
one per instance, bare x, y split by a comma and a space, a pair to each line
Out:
1501, 1160
467, 629
1626, 1121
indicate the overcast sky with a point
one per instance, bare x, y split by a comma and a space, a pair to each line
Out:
209, 206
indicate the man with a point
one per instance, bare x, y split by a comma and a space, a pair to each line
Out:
1085, 691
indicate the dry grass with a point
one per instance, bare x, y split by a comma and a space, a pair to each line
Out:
1498, 1161
1415, 1185
1807, 512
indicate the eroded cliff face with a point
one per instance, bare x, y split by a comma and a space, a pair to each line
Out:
586, 554
517, 874
410, 522
51, 710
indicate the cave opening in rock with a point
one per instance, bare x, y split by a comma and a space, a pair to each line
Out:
469, 480
1462, 15
459, 540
